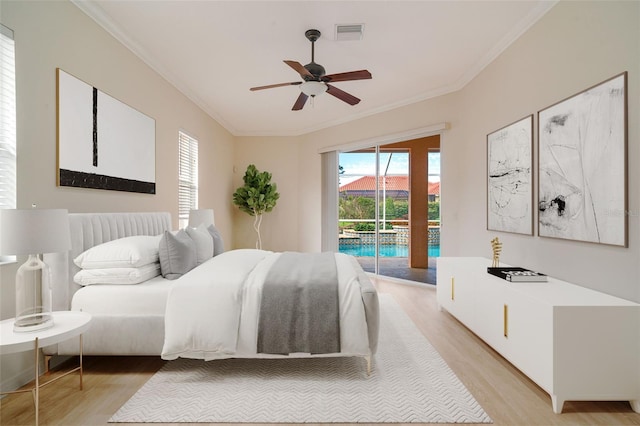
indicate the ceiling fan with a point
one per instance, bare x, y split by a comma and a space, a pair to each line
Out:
315, 79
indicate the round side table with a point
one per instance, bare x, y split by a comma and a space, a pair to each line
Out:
66, 324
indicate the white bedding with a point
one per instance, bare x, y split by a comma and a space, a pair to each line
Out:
212, 311
144, 299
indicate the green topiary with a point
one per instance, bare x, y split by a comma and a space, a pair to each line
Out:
256, 197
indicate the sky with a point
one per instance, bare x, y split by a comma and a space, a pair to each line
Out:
356, 165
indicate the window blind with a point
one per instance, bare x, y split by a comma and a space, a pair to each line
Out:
8, 181
188, 177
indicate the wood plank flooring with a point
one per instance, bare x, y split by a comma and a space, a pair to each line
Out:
508, 396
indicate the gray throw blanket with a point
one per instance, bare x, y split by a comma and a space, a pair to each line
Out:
300, 311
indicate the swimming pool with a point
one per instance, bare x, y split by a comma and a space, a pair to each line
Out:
366, 250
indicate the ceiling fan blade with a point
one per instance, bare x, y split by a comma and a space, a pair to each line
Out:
299, 68
293, 83
347, 76
342, 95
302, 99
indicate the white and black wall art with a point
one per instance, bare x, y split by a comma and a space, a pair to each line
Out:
102, 142
509, 190
582, 175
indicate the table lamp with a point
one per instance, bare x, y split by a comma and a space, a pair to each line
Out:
200, 216
33, 232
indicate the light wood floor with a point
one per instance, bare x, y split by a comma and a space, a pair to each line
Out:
505, 393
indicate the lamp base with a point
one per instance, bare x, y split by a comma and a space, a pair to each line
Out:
33, 322
33, 296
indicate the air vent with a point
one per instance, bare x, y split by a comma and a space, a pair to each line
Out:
346, 32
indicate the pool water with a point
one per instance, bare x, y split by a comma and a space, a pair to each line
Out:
385, 250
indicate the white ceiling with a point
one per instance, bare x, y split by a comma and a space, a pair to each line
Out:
214, 51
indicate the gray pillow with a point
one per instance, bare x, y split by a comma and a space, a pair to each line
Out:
218, 243
204, 242
177, 254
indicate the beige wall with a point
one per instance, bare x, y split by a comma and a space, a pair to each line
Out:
278, 156
574, 46
52, 35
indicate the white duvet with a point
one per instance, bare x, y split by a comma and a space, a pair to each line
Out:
213, 310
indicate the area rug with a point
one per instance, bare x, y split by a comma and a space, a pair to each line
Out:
409, 383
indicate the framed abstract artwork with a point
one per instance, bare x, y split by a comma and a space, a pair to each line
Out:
582, 178
509, 180
102, 142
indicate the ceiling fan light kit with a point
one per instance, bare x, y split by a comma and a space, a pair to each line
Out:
315, 81
313, 88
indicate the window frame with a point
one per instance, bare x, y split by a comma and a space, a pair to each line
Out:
187, 176
8, 139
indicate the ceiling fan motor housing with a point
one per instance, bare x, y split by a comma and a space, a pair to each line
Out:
317, 70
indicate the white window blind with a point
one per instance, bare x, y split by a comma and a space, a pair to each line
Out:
188, 177
7, 122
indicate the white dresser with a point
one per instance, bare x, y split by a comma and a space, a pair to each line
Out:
577, 344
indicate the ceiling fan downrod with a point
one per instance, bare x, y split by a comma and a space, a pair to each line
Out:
317, 70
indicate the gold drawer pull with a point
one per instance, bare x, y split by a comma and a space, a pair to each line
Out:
453, 289
505, 315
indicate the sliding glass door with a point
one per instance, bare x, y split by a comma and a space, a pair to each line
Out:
388, 201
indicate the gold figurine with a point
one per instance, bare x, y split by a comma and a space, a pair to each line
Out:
496, 245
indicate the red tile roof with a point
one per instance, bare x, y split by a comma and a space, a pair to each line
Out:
393, 183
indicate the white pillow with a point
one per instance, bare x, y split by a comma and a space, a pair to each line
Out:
128, 252
204, 243
117, 275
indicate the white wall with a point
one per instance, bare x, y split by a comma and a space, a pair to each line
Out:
52, 35
573, 47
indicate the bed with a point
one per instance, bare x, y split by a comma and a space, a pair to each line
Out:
150, 318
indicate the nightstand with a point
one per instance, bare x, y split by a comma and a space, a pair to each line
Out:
66, 324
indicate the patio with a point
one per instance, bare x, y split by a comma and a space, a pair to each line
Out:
398, 267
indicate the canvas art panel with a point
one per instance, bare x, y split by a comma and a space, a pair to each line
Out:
102, 142
582, 166
509, 180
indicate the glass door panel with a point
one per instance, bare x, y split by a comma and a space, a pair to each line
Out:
434, 205
357, 202
393, 204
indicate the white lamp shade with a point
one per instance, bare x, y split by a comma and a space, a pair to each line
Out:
201, 216
313, 88
34, 231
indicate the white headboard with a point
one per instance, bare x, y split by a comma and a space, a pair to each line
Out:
91, 229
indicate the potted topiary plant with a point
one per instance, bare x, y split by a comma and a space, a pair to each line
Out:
256, 197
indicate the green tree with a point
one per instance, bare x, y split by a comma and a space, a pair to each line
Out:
256, 197
357, 208
390, 209
434, 210
402, 209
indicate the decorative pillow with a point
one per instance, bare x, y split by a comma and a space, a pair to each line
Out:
177, 254
128, 252
218, 242
204, 243
117, 275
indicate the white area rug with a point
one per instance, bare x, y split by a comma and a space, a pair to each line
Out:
410, 383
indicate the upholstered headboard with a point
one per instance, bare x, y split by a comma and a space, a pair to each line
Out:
91, 229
